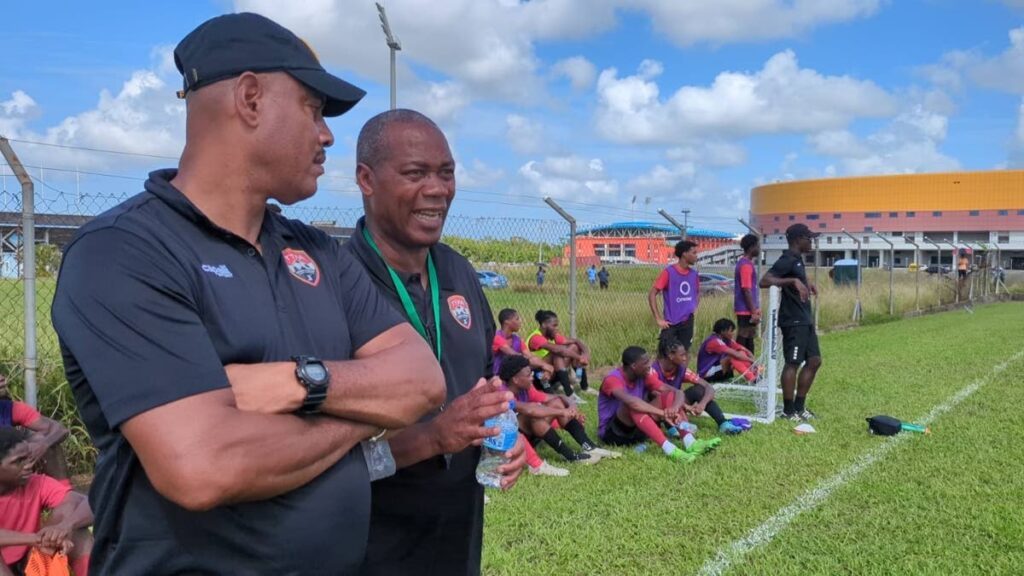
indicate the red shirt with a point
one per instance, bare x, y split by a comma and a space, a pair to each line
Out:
746, 282
720, 346
23, 415
538, 341
20, 510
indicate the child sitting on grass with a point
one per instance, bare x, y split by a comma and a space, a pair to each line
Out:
24, 497
721, 357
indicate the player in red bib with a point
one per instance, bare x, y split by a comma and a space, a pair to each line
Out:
671, 369
45, 435
508, 343
540, 415
746, 294
24, 497
721, 357
626, 417
564, 354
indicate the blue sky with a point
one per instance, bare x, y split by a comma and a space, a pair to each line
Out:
686, 103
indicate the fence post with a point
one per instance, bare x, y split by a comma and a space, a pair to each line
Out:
892, 267
572, 262
917, 273
857, 311
28, 266
938, 273
954, 259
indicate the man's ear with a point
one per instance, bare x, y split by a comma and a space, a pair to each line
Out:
249, 96
365, 179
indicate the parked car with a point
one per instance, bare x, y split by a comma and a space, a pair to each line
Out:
934, 269
715, 283
489, 279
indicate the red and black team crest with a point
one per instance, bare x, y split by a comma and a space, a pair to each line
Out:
459, 308
302, 266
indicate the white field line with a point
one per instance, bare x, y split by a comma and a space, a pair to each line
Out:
810, 499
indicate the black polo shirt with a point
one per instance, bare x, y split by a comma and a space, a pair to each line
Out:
792, 312
153, 300
428, 518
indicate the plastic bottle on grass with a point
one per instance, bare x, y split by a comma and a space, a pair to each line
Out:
492, 452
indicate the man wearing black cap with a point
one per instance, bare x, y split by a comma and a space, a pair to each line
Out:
202, 334
799, 338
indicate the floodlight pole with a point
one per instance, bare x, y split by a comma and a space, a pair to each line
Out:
572, 262
686, 222
394, 45
28, 266
857, 311
892, 266
917, 273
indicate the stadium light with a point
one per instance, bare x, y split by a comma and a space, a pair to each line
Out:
394, 45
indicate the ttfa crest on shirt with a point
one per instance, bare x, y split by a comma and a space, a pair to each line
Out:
459, 308
302, 266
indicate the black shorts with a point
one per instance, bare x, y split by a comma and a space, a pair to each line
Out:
961, 273
743, 321
619, 434
682, 331
799, 344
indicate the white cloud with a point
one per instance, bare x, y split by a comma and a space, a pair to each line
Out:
441, 101
477, 175
580, 71
686, 22
524, 135
570, 177
486, 45
910, 143
663, 180
779, 98
15, 112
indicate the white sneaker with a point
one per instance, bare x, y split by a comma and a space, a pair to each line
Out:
604, 453
576, 398
592, 391
487, 499
546, 469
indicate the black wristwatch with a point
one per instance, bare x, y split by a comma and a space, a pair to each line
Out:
314, 376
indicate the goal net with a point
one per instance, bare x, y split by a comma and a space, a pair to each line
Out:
757, 400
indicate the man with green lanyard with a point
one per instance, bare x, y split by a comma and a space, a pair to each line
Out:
427, 518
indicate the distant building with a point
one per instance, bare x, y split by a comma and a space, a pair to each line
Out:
977, 211
640, 243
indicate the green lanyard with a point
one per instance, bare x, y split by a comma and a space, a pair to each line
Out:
403, 295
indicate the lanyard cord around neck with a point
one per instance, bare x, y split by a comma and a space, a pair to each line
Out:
403, 295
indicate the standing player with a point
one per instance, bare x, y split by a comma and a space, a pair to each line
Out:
679, 285
746, 295
799, 339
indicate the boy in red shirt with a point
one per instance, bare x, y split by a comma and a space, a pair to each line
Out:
540, 415
671, 369
679, 286
721, 357
45, 434
23, 498
746, 294
562, 353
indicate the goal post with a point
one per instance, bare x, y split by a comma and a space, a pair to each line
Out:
757, 400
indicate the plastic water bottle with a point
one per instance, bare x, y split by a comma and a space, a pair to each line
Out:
492, 453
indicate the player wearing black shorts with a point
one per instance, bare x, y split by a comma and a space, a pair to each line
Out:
799, 338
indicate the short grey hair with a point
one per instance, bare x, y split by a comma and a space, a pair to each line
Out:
371, 147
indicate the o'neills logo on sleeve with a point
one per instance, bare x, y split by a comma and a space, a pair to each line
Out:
302, 266
459, 308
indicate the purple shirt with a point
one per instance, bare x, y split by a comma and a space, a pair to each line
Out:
676, 381
515, 342
681, 296
608, 405
739, 302
707, 358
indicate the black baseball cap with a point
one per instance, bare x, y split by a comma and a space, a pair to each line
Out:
800, 231
226, 46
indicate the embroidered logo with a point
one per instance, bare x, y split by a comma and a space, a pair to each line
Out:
219, 271
302, 266
459, 308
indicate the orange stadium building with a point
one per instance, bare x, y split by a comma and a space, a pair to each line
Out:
941, 213
640, 243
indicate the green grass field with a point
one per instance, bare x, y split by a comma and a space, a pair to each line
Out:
947, 503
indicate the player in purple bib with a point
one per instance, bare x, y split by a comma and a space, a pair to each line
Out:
679, 286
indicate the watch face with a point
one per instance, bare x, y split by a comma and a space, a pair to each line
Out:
316, 372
